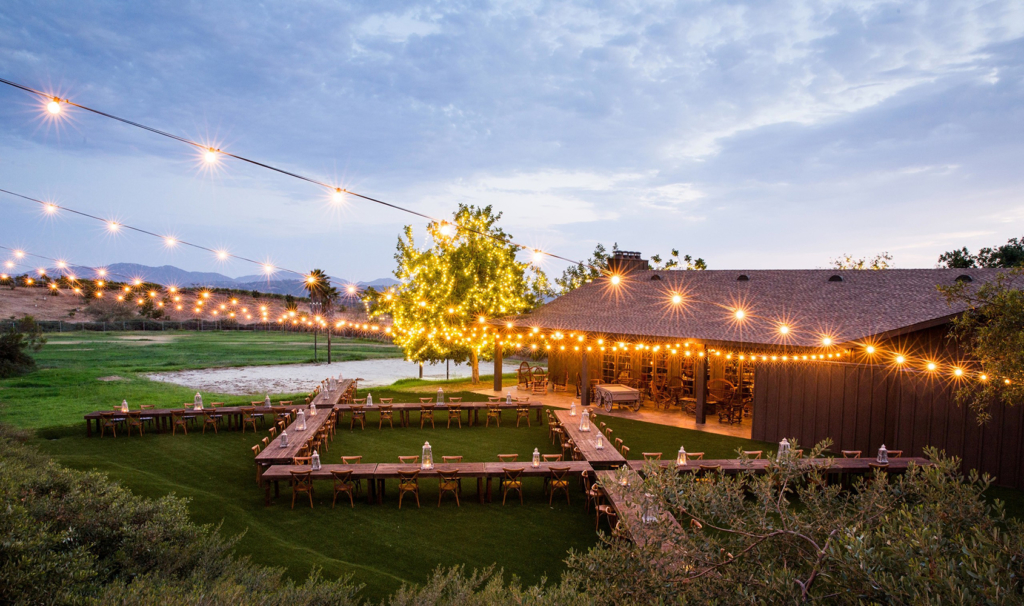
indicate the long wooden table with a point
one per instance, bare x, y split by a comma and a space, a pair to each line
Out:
586, 440
389, 471
543, 470
827, 465
404, 410
162, 416
278, 473
631, 513
331, 397
276, 454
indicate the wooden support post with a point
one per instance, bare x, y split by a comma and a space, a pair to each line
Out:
497, 367
584, 380
700, 385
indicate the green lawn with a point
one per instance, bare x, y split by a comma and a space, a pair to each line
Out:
379, 546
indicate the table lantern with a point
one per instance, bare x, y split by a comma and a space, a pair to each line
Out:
647, 516
124, 405
369, 399
681, 456
440, 396
883, 455
783, 447
623, 478
315, 461
572, 409
339, 378
536, 457
198, 401
585, 420
508, 398
302, 420
600, 442
266, 401
427, 457
284, 439
312, 409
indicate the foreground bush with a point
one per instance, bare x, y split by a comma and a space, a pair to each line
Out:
923, 537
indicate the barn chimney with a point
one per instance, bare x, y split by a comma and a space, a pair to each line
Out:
624, 262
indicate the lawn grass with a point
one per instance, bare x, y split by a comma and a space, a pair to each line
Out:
379, 546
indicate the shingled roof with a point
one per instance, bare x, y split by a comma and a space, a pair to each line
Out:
843, 305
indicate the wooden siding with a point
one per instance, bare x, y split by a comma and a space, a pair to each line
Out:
861, 406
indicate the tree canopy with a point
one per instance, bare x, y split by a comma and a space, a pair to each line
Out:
1007, 255
449, 290
577, 275
882, 260
991, 333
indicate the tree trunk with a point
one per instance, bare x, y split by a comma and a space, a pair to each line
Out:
475, 363
328, 344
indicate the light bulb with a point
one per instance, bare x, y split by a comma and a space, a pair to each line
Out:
784, 329
740, 314
615, 280
53, 106
677, 299
210, 155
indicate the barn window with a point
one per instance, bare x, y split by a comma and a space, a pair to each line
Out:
836, 278
655, 277
964, 278
743, 278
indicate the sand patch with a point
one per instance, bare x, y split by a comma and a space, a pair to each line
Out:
143, 339
110, 378
295, 378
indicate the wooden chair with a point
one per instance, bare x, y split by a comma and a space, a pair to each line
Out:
523, 412
343, 484
594, 494
708, 472
895, 454
387, 413
448, 481
539, 386
426, 412
876, 467
552, 426
387, 400
618, 443
511, 481
455, 400
452, 459
508, 458
302, 481
493, 412
211, 419
851, 454
608, 432
551, 457
559, 481
426, 400
303, 460
359, 401
189, 415
651, 456
699, 456
493, 398
148, 418
408, 481
134, 420
454, 412
273, 432
256, 453
411, 460
358, 414
178, 420
753, 454
355, 460
249, 418
567, 447
560, 383
259, 415
608, 512
625, 451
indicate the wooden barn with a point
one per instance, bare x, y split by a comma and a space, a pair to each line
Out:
858, 356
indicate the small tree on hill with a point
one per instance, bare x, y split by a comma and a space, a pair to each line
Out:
447, 291
880, 261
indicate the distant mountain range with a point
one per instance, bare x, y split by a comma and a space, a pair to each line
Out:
170, 275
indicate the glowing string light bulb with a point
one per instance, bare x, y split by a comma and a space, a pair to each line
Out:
50, 208
740, 314
210, 155
54, 106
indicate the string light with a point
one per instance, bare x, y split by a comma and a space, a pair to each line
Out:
53, 106
740, 314
784, 329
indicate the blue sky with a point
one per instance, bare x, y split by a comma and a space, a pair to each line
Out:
754, 134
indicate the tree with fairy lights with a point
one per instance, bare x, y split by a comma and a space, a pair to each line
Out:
448, 291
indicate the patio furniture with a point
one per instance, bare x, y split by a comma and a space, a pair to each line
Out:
387, 413
354, 460
523, 412
211, 419
551, 457
511, 481
358, 414
408, 481
508, 458
753, 454
248, 418
560, 383
524, 376
410, 460
343, 484
302, 482
134, 420
559, 481
178, 419
454, 412
426, 412
851, 454
448, 481
651, 456
148, 417
493, 412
